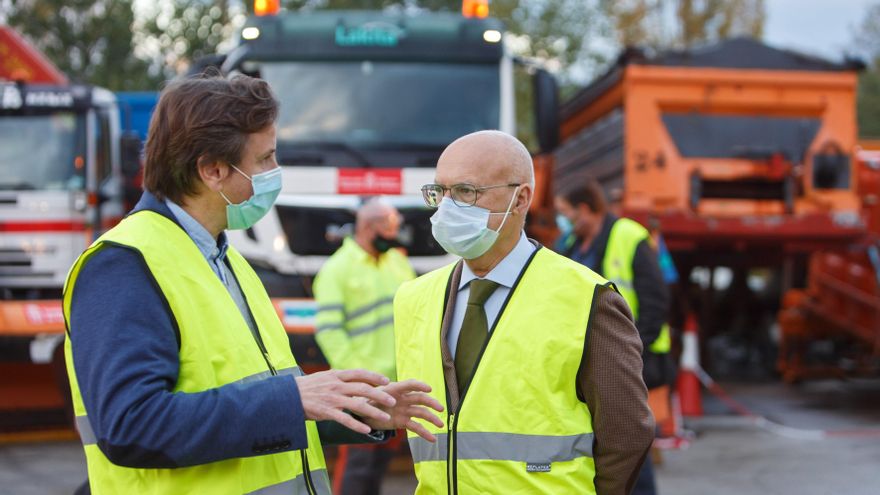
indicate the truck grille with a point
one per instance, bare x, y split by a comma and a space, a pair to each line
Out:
307, 229
14, 262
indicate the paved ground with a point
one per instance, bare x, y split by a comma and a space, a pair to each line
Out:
729, 456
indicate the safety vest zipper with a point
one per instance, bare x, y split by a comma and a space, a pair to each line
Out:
450, 455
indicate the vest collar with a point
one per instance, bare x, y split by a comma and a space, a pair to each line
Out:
150, 202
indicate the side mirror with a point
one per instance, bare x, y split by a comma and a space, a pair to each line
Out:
130, 146
208, 63
546, 110
130, 154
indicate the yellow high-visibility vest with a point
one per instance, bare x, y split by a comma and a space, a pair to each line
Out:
520, 427
625, 237
216, 348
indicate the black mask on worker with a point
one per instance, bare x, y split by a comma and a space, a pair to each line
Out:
383, 244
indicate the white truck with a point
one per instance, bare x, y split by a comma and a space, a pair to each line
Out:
61, 181
64, 170
368, 101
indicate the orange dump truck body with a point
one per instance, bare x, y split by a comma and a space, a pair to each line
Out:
738, 146
841, 302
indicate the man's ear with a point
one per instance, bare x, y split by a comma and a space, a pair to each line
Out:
212, 172
523, 199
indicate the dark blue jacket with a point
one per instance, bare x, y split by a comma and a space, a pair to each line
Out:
125, 348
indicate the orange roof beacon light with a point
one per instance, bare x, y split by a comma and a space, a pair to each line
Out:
266, 7
475, 8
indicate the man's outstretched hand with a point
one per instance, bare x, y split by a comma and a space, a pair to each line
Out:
412, 401
328, 394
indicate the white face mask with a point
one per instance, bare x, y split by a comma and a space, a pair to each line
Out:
464, 231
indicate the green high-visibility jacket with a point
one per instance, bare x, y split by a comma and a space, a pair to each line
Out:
354, 291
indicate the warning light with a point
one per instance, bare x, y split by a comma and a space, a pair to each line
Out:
475, 8
266, 7
78, 162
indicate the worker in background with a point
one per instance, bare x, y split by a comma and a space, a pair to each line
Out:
354, 291
181, 373
535, 357
622, 251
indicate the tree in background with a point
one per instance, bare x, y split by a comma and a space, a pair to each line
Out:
868, 40
636, 22
89, 40
709, 20
173, 33
683, 23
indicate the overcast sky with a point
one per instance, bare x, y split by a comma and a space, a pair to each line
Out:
819, 27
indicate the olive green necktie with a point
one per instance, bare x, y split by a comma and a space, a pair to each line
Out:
474, 330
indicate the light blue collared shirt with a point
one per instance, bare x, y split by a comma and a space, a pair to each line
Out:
214, 252
504, 274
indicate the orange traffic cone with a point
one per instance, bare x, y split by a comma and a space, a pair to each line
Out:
688, 384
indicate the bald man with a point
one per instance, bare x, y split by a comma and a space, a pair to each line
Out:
535, 357
354, 291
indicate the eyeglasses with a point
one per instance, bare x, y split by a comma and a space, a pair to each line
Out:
463, 195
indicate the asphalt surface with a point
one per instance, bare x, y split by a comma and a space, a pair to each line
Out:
730, 455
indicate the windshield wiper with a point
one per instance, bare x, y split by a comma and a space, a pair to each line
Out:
17, 186
300, 147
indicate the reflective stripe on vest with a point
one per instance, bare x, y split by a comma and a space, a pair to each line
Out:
357, 312
623, 241
520, 427
297, 486
354, 326
217, 348
504, 447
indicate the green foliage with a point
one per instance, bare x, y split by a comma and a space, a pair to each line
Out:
868, 38
645, 22
177, 32
869, 104
89, 40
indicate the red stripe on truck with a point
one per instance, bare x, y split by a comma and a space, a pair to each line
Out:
52, 225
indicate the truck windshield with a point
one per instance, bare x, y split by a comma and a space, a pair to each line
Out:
741, 136
378, 104
45, 152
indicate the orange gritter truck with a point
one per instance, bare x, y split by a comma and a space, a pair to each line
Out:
736, 147
832, 326
742, 155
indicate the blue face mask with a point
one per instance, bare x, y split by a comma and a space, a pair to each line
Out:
564, 224
244, 215
464, 231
